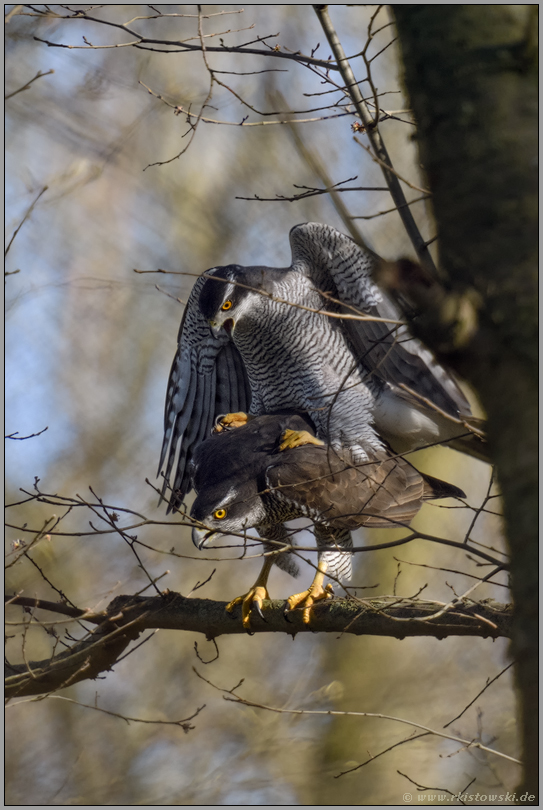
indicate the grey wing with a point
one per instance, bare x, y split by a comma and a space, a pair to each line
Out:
338, 265
207, 378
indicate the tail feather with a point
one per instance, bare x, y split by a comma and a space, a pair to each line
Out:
436, 488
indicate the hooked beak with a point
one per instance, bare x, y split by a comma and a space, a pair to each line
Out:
228, 325
200, 537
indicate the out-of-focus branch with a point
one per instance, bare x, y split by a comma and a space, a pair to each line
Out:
332, 713
22, 222
14, 11
371, 128
38, 75
313, 160
180, 46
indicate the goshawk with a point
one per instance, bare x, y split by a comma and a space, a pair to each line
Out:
253, 478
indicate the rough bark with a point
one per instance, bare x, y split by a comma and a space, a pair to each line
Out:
471, 74
128, 616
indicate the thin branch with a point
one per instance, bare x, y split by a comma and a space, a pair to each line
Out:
141, 41
24, 438
384, 165
411, 738
310, 156
314, 192
391, 210
450, 571
38, 75
179, 109
481, 508
437, 789
327, 313
376, 141
55, 607
331, 713
184, 724
22, 222
478, 695
457, 600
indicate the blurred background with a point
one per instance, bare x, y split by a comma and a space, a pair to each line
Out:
89, 344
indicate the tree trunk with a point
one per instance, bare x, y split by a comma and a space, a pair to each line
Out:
471, 74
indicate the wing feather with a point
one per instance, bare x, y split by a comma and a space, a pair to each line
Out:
207, 378
337, 265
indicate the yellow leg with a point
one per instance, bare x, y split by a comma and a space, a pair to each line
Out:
255, 597
315, 593
230, 421
297, 438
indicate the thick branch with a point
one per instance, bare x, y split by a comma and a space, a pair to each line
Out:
128, 616
471, 72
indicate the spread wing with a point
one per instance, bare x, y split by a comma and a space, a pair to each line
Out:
336, 264
207, 378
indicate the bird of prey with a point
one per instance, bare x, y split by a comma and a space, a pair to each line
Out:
318, 337
274, 469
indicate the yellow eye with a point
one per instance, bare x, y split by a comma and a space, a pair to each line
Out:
219, 514
227, 305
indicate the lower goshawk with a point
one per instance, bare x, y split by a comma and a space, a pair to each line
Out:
273, 469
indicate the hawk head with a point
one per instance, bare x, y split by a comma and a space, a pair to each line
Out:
225, 298
228, 471
231, 507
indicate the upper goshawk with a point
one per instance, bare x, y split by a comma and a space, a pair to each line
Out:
273, 469
262, 339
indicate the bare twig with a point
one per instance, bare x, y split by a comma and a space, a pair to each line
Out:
38, 75
55, 607
22, 222
437, 789
391, 210
331, 713
177, 46
478, 695
314, 192
411, 738
385, 166
379, 149
24, 438
184, 724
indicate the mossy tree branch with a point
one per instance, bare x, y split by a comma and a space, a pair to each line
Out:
128, 616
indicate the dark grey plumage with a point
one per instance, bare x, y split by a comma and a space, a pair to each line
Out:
243, 481
257, 339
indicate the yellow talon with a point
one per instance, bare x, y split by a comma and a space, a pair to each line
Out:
249, 601
315, 593
254, 598
297, 438
230, 421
